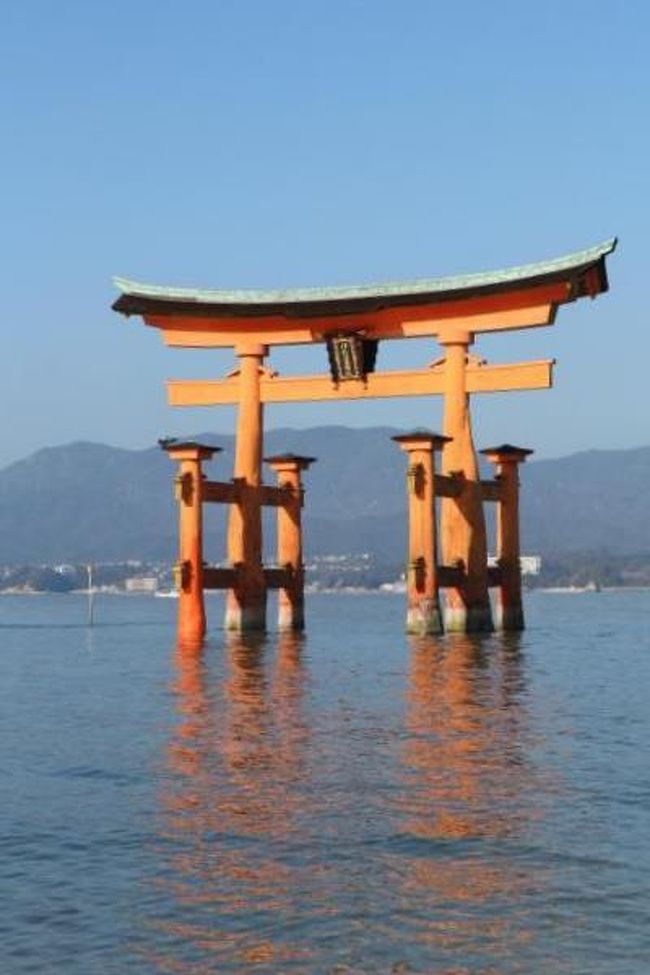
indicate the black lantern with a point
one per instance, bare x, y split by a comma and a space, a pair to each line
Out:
351, 356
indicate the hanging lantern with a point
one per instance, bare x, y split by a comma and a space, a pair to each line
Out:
351, 356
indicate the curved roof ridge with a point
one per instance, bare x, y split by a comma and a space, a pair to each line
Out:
568, 262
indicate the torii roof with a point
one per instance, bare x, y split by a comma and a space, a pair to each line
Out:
584, 270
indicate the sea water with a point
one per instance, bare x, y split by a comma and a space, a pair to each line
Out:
352, 802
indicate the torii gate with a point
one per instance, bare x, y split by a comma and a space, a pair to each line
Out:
351, 321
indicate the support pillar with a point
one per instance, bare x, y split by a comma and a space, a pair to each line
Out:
423, 607
246, 602
189, 568
463, 532
291, 598
509, 604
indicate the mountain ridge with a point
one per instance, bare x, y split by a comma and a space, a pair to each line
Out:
92, 501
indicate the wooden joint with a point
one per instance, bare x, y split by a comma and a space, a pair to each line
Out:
415, 479
449, 485
182, 574
184, 487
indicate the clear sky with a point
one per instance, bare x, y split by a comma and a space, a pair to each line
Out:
233, 143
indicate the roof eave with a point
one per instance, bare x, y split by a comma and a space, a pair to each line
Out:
587, 275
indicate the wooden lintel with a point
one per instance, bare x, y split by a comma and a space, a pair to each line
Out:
220, 492
415, 382
218, 578
448, 486
526, 308
491, 490
278, 578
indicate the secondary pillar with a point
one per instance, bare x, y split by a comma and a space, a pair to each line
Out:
291, 598
246, 602
462, 529
189, 568
509, 604
423, 607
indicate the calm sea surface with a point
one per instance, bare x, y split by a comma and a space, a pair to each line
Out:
354, 802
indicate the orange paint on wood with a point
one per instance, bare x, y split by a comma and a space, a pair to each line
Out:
246, 602
509, 604
291, 598
499, 312
463, 533
413, 382
423, 609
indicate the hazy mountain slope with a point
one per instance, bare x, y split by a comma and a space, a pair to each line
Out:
89, 501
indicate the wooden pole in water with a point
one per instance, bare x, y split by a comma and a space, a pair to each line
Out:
246, 602
462, 530
509, 603
291, 598
191, 626
423, 609
89, 570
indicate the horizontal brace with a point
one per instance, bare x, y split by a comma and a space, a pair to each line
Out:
279, 578
450, 576
413, 382
220, 492
218, 578
495, 575
233, 492
491, 490
276, 497
448, 486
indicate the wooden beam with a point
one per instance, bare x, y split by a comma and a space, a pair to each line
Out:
416, 382
274, 497
218, 578
495, 576
220, 492
450, 576
411, 323
278, 578
491, 490
448, 486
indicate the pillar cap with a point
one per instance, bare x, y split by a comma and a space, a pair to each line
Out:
507, 452
187, 449
290, 460
422, 439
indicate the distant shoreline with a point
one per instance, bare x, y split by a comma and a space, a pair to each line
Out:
333, 591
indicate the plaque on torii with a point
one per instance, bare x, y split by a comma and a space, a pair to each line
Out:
350, 322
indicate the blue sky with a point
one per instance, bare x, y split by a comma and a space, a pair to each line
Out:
278, 143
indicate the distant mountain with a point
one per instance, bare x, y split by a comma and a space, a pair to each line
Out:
86, 501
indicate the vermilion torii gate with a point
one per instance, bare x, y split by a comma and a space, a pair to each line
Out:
351, 322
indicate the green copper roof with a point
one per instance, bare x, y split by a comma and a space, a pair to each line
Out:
139, 298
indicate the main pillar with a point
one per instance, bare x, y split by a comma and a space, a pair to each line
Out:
246, 602
291, 598
423, 607
189, 568
463, 533
509, 604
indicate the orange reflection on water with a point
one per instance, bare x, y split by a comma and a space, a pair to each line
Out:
233, 765
467, 782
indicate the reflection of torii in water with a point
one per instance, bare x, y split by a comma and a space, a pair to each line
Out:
468, 790
233, 769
